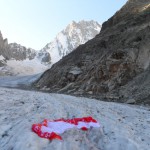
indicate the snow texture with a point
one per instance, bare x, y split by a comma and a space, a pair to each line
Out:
1, 57
124, 127
22, 68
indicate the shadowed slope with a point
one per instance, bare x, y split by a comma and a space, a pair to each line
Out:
108, 62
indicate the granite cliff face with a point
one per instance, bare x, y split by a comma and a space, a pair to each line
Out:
113, 64
14, 50
19, 52
3, 49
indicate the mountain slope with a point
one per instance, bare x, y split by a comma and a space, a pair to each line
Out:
72, 36
114, 58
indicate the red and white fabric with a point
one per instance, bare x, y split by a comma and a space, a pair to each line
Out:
51, 129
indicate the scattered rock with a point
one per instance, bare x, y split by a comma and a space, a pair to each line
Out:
131, 101
90, 92
75, 71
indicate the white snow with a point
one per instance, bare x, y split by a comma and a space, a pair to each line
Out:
22, 68
54, 53
124, 127
63, 40
1, 57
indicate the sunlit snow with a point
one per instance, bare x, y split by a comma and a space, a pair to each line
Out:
124, 127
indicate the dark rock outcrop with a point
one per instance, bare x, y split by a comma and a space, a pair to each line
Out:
3, 48
19, 52
114, 65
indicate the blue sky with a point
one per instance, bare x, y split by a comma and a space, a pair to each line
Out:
34, 23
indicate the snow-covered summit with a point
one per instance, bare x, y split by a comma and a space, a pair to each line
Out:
75, 34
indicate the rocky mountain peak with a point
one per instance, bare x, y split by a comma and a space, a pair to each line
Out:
19, 52
75, 34
73, 23
83, 25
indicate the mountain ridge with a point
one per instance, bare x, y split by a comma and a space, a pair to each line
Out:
67, 40
75, 34
108, 62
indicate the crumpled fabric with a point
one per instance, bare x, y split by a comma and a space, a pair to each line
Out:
51, 129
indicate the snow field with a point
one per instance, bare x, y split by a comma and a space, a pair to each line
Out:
124, 127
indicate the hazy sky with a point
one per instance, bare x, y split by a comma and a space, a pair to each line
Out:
34, 23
